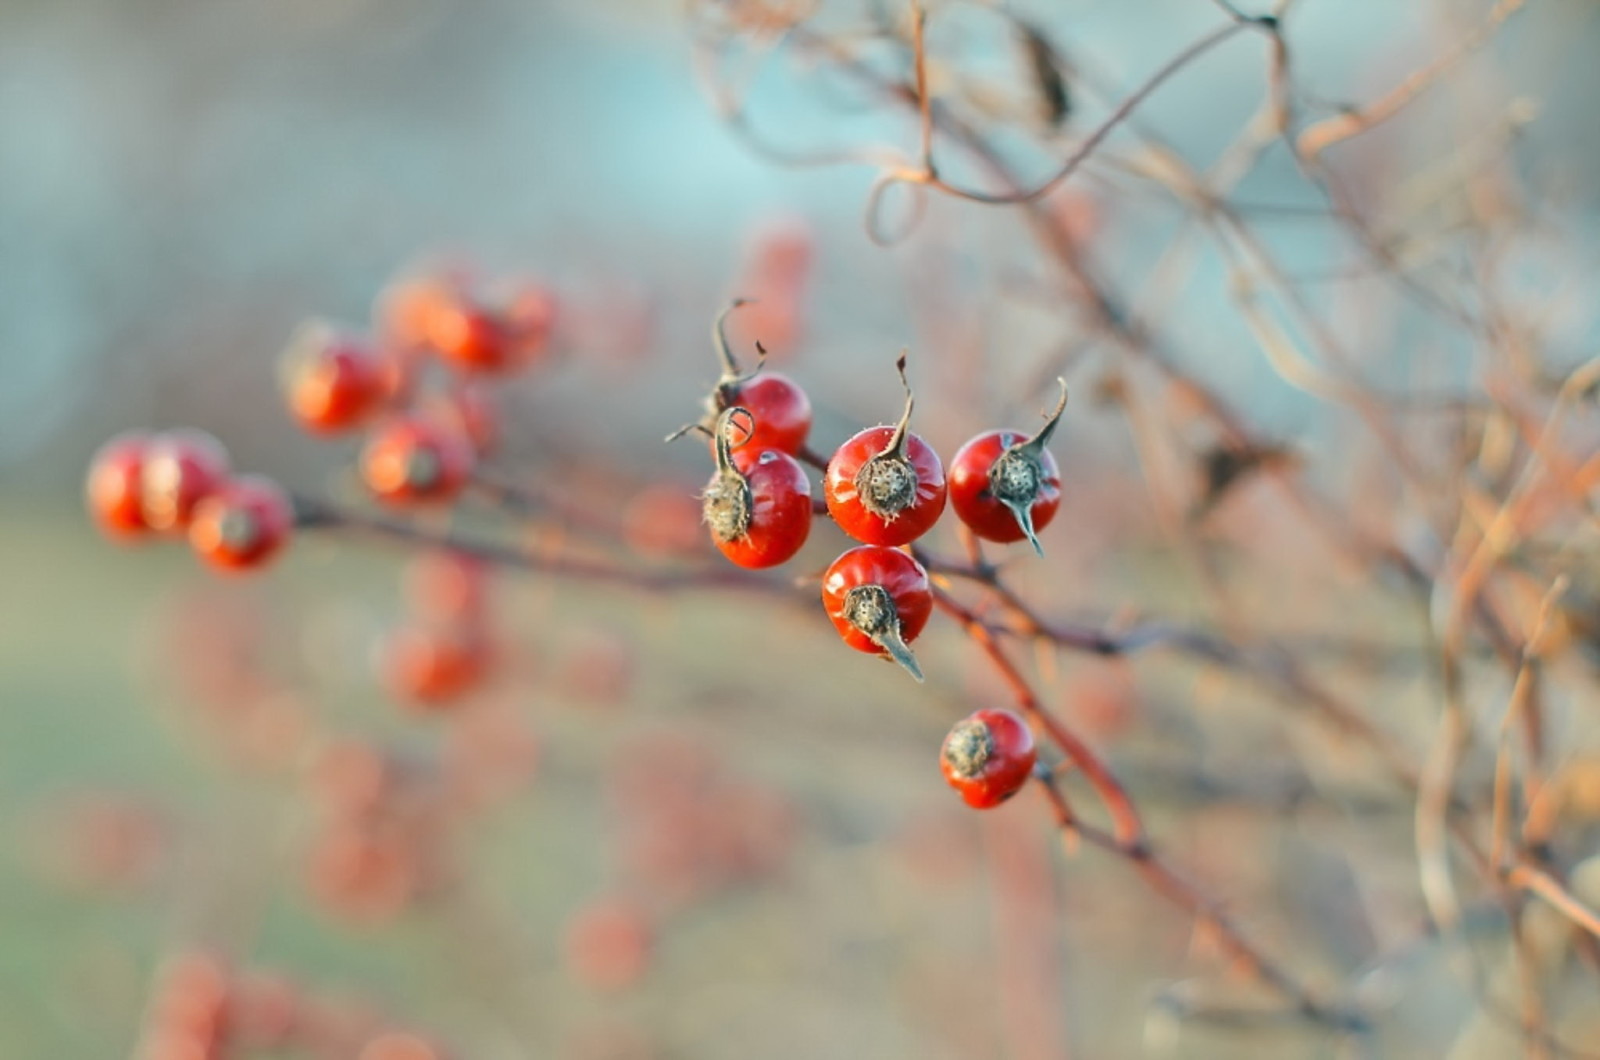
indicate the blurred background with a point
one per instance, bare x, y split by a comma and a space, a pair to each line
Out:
683, 827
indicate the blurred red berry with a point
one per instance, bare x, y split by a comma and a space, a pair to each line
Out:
243, 525
333, 381
494, 334
411, 460
181, 468
113, 490
434, 666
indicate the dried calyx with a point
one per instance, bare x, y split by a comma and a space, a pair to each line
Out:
725, 395
727, 388
870, 609
887, 483
726, 503
1016, 476
968, 748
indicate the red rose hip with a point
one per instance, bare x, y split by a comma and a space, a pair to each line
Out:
879, 600
410, 461
243, 525
758, 503
988, 757
332, 381
1006, 486
181, 468
886, 486
779, 406
113, 490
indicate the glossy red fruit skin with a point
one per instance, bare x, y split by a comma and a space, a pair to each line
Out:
1008, 765
844, 504
780, 408
416, 461
333, 382
113, 491
181, 468
482, 337
900, 576
243, 525
977, 507
780, 502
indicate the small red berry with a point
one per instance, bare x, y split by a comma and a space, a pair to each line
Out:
779, 405
332, 380
243, 525
492, 335
987, 757
434, 666
758, 503
1006, 486
886, 486
879, 600
113, 490
181, 468
413, 460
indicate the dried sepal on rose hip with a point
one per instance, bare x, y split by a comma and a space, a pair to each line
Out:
988, 757
332, 380
411, 460
113, 490
879, 600
1005, 486
779, 406
758, 502
885, 485
243, 525
181, 468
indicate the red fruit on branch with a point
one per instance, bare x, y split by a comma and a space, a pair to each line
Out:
988, 757
412, 460
879, 600
1006, 486
491, 334
243, 525
434, 666
332, 381
779, 406
181, 468
758, 502
886, 486
113, 490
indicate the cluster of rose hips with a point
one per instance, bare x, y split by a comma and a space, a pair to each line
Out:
885, 487
338, 380
180, 483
